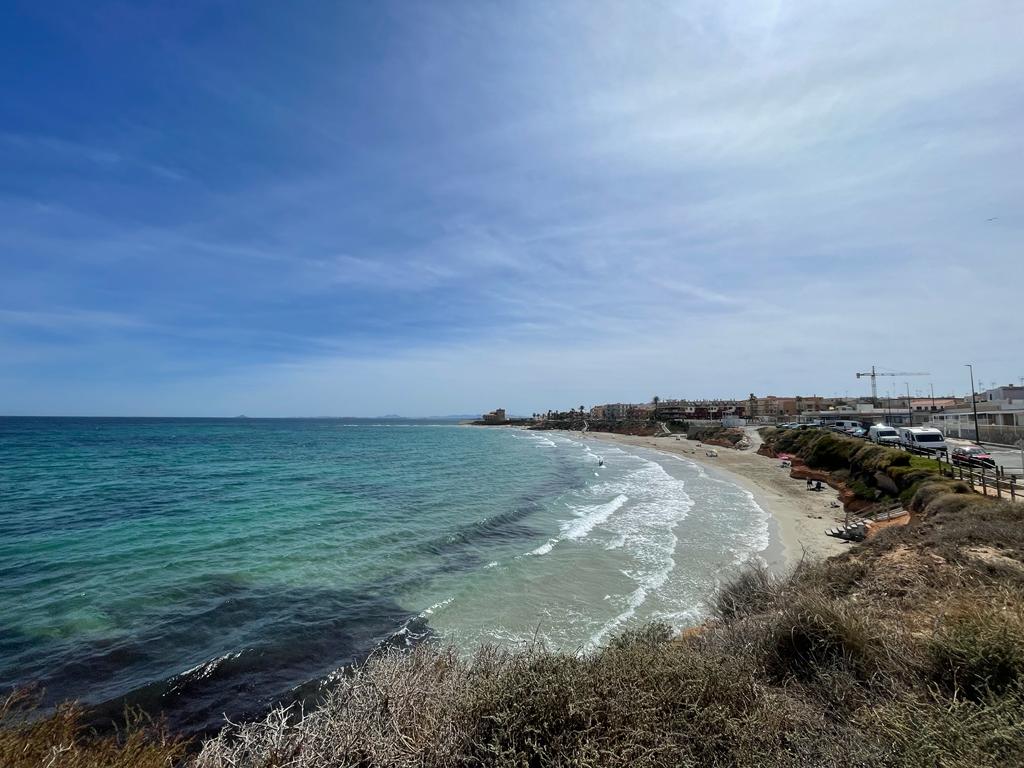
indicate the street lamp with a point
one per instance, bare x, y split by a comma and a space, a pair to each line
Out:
974, 406
910, 411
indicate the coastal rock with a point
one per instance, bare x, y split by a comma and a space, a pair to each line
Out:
886, 483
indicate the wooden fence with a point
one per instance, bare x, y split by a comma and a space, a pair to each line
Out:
988, 481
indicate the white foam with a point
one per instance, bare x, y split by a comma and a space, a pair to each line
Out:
544, 548
435, 607
646, 530
636, 599
577, 529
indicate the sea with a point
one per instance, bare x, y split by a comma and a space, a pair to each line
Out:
203, 568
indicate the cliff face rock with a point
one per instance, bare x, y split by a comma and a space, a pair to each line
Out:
886, 483
849, 499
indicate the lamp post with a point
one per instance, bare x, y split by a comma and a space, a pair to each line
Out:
931, 388
910, 411
974, 407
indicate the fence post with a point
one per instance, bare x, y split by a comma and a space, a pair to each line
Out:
984, 487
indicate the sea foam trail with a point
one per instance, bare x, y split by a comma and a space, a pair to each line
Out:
646, 530
577, 529
756, 540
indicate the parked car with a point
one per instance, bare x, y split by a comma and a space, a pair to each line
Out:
857, 432
972, 455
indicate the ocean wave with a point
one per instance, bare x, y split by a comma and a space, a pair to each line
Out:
577, 529
544, 548
428, 611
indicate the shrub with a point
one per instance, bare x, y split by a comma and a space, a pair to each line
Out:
814, 633
60, 739
924, 493
929, 729
830, 452
979, 651
863, 491
752, 591
878, 458
907, 477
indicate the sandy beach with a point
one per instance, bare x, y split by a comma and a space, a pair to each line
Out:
800, 516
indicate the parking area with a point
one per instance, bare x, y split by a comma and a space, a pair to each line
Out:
1008, 459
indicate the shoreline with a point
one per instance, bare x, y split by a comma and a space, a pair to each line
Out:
798, 517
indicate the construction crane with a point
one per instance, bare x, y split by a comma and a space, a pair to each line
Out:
874, 385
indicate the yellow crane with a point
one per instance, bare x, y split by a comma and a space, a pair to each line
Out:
873, 373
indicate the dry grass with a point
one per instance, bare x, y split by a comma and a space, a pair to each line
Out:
59, 739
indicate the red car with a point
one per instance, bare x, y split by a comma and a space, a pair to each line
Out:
972, 455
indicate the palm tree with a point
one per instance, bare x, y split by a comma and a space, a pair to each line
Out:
655, 400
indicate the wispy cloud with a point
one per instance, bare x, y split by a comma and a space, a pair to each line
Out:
435, 205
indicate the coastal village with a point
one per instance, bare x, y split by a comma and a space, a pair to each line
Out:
997, 411
979, 442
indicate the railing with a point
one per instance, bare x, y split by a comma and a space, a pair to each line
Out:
987, 481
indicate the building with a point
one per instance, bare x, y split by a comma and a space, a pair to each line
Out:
610, 411
497, 416
1000, 416
773, 408
931, 404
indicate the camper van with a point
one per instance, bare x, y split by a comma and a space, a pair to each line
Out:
844, 424
925, 438
882, 434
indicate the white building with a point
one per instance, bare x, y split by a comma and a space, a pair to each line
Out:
1000, 417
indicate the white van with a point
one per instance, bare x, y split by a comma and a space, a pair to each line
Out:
882, 434
926, 438
844, 424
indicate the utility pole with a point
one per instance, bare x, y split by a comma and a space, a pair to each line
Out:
974, 406
910, 411
931, 387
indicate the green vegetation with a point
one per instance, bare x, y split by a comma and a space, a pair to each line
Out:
709, 433
906, 650
872, 472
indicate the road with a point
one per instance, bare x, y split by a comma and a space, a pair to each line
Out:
1007, 458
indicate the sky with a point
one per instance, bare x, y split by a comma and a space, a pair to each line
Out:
360, 208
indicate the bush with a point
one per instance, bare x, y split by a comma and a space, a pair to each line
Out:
830, 452
752, 591
60, 739
925, 493
907, 477
979, 651
813, 634
929, 729
878, 458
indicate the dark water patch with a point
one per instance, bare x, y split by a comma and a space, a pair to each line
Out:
130, 549
506, 526
250, 649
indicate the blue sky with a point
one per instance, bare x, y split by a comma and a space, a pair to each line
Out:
364, 208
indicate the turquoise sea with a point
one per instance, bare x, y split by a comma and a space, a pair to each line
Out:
202, 567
